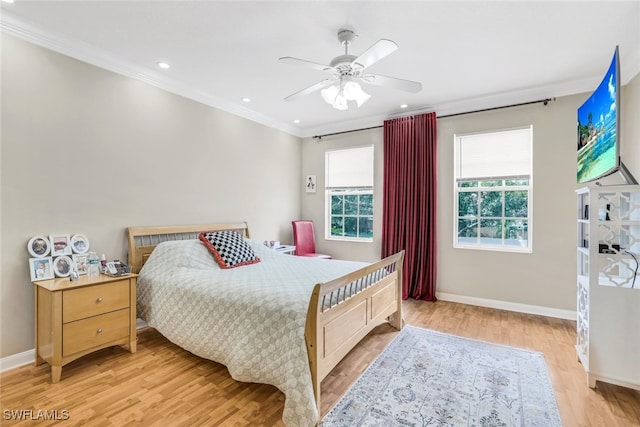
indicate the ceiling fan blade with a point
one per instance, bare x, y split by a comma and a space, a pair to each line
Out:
376, 52
303, 62
313, 88
392, 82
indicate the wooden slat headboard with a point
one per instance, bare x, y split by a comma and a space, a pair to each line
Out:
142, 240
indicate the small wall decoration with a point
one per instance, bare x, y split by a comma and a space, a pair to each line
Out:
39, 246
80, 261
79, 244
40, 268
62, 266
60, 244
310, 184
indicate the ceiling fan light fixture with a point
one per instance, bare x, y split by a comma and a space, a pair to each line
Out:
338, 95
330, 93
353, 92
348, 70
340, 103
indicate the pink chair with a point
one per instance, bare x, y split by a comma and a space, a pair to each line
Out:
304, 239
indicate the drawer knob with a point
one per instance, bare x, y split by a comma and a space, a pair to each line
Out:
99, 330
99, 299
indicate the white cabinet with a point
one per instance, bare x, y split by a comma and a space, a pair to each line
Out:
608, 284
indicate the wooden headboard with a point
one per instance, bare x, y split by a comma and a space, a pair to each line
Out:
142, 240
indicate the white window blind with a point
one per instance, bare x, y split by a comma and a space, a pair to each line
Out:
349, 168
493, 154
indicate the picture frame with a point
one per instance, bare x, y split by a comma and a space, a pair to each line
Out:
60, 244
310, 184
41, 268
62, 266
39, 246
79, 244
81, 263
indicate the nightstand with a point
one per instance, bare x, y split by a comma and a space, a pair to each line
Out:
76, 318
285, 249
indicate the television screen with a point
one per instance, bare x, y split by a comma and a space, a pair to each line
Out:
598, 128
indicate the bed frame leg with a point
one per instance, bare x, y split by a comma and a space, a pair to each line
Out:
316, 391
396, 319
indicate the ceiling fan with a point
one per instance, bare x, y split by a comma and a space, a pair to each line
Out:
347, 71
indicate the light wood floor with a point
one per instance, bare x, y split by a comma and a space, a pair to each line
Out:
164, 385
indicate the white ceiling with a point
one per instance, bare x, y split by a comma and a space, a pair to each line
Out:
468, 55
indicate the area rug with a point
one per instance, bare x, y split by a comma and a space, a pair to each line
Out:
428, 378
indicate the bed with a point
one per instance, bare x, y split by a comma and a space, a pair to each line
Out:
285, 321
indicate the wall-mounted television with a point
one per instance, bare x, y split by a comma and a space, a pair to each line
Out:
599, 128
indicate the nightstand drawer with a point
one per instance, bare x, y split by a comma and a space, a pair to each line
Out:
92, 332
94, 300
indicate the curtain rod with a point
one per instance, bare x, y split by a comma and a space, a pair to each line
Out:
543, 101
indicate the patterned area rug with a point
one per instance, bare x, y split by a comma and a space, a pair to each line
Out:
427, 378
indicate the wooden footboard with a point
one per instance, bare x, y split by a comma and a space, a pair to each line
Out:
343, 311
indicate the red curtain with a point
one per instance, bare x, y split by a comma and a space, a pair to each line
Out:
409, 201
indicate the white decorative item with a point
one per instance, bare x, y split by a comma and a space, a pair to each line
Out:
39, 246
62, 266
40, 268
79, 243
81, 263
60, 244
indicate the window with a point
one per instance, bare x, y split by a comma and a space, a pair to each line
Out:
349, 193
492, 190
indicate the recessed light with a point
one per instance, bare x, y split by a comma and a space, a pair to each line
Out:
163, 65
245, 99
404, 105
296, 121
8, 1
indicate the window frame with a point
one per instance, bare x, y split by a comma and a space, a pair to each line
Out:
502, 189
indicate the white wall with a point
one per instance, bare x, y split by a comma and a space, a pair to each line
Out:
544, 278
86, 150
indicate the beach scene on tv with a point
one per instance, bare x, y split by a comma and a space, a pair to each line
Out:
597, 127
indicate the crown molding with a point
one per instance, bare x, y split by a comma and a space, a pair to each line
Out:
11, 25
466, 105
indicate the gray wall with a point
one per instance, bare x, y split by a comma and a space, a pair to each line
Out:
88, 151
630, 100
544, 278
313, 204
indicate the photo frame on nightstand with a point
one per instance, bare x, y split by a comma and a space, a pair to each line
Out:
81, 263
62, 266
79, 244
41, 268
39, 246
60, 244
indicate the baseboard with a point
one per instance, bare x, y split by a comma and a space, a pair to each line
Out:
623, 382
26, 357
509, 306
17, 360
